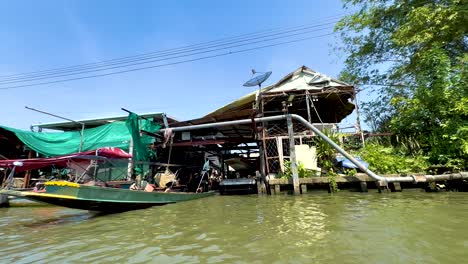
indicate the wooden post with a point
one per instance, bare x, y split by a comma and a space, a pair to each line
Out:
264, 168
309, 117
277, 189
166, 123
261, 151
263, 135
27, 175
279, 147
263, 179
223, 167
358, 120
272, 189
130, 161
4, 202
261, 186
292, 155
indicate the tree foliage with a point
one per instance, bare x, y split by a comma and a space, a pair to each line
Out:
414, 53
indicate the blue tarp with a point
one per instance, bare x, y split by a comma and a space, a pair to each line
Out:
346, 163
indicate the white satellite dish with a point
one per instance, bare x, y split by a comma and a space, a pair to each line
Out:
257, 80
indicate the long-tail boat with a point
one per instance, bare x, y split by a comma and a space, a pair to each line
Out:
102, 199
108, 198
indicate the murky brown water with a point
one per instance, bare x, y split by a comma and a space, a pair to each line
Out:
408, 227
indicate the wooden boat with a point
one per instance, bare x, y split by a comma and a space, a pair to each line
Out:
102, 199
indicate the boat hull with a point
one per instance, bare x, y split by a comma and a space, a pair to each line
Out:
103, 199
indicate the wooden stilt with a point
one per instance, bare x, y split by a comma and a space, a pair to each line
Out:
27, 175
363, 186
277, 189
261, 186
272, 190
130, 161
292, 155
4, 202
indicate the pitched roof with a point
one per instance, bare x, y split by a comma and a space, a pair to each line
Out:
312, 81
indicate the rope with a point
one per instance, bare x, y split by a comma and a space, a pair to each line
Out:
315, 109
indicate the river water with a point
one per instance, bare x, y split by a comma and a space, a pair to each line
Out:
408, 227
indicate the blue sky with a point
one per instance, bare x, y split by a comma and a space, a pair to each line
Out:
38, 35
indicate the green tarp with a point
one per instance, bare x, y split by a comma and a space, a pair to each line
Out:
140, 142
114, 134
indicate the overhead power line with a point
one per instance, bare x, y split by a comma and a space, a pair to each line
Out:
168, 64
163, 58
129, 63
243, 37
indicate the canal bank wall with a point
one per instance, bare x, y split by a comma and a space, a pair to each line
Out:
363, 183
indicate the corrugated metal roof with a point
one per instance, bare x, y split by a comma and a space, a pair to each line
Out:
89, 123
312, 81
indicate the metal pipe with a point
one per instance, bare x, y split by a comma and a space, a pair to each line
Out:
64, 118
130, 112
227, 123
348, 156
426, 178
446, 177
309, 117
307, 124
82, 136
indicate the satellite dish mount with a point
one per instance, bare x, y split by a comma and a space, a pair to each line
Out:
257, 80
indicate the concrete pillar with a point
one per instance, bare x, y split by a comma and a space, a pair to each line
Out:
395, 186
259, 183
292, 155
363, 186
382, 186
303, 188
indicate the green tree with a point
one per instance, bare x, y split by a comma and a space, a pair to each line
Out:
414, 53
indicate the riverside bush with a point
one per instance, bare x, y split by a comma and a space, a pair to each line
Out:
385, 160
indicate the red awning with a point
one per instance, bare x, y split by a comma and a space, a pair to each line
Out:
61, 161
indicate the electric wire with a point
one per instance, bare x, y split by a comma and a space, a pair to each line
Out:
164, 57
243, 37
169, 64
